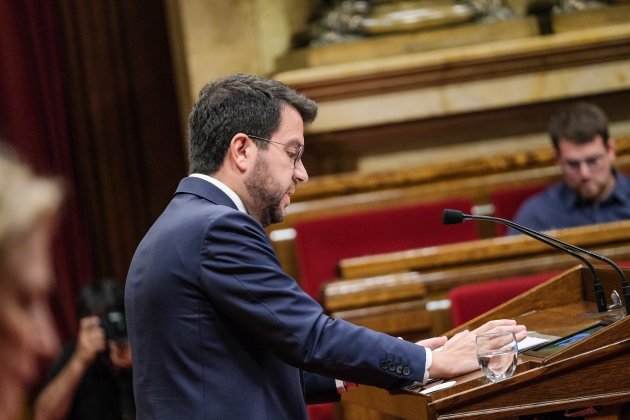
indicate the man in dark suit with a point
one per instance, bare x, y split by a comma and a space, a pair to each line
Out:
217, 329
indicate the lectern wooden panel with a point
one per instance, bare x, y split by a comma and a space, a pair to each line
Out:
592, 371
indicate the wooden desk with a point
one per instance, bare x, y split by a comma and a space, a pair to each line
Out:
484, 250
414, 304
592, 372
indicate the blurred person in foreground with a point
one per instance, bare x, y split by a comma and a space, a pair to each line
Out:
218, 330
591, 190
28, 212
91, 379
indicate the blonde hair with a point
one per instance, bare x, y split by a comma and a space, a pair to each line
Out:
25, 199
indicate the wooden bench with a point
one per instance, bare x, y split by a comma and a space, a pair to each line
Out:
489, 162
409, 297
478, 189
344, 193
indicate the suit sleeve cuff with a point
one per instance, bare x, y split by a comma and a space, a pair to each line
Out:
427, 364
416, 386
341, 386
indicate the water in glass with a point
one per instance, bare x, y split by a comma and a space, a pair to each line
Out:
497, 355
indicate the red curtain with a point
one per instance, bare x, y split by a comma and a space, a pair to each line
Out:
87, 93
34, 120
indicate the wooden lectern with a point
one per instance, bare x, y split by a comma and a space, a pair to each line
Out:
591, 372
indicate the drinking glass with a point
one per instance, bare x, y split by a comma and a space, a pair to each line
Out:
497, 354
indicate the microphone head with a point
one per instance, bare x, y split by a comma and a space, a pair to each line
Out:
452, 217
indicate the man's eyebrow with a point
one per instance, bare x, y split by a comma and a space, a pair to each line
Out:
294, 142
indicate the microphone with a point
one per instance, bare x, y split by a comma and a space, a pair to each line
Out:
455, 216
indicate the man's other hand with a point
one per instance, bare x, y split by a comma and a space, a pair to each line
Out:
458, 354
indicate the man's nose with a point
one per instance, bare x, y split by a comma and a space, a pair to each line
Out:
300, 173
584, 170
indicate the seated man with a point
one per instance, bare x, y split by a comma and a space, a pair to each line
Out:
591, 191
91, 380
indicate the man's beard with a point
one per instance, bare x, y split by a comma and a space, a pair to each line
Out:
265, 202
594, 191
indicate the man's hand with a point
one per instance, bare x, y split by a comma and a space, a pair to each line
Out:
458, 355
433, 343
120, 354
91, 340
501, 325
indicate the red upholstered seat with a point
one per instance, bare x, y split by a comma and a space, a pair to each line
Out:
321, 412
322, 243
472, 300
507, 202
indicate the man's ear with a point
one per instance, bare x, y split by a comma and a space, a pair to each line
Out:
242, 152
612, 151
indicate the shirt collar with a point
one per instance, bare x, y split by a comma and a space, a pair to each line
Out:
227, 190
620, 193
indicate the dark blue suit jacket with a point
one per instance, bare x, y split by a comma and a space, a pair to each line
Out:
219, 331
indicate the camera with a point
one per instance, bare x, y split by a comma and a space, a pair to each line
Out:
105, 299
115, 325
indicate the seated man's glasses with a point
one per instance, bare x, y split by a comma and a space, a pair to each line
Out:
592, 162
294, 152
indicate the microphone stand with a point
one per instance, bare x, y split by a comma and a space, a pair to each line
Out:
625, 284
600, 298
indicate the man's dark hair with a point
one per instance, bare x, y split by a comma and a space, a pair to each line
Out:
579, 124
238, 103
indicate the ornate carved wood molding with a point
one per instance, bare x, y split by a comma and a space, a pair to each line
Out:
473, 62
